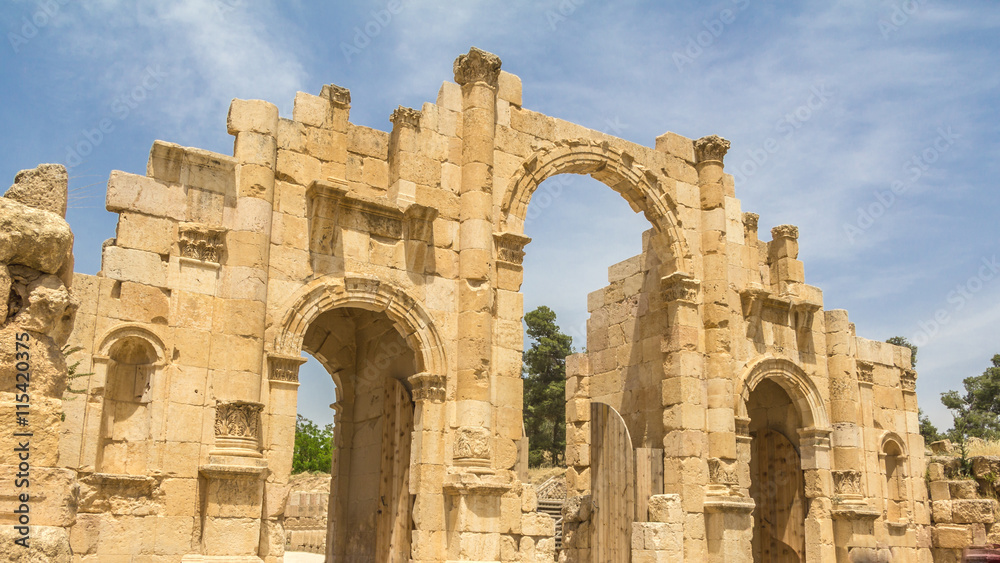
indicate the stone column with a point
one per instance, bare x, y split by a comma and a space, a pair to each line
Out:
683, 396
427, 468
477, 73
848, 380
254, 123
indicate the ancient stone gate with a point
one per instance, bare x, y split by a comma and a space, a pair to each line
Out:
395, 259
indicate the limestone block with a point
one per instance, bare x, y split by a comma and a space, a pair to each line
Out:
964, 489
676, 145
297, 168
537, 524
43, 187
48, 544
940, 490
935, 471
312, 110
952, 536
145, 232
130, 192
967, 511
368, 142
665, 508
509, 88
34, 238
49, 308
941, 511
256, 116
125, 264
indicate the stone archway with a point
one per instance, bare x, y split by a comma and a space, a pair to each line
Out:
380, 346
642, 189
785, 443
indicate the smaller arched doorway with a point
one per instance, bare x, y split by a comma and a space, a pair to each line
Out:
370, 507
786, 444
776, 479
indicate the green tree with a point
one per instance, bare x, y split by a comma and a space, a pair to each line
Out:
313, 446
977, 412
544, 375
902, 341
927, 428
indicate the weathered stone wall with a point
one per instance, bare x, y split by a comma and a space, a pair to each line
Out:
964, 507
397, 257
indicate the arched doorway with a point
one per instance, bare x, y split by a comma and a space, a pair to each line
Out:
776, 480
370, 504
787, 443
385, 355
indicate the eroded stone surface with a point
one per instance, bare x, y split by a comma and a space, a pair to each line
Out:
44, 187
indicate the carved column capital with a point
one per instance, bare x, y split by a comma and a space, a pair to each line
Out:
908, 380
339, 96
866, 372
510, 247
200, 242
477, 66
284, 368
750, 222
404, 116
237, 428
680, 287
472, 447
712, 147
785, 231
428, 387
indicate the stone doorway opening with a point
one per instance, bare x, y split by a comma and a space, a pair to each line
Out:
370, 509
777, 483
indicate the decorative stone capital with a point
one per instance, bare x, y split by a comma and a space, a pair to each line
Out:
284, 368
712, 147
404, 116
750, 222
201, 242
785, 231
477, 66
472, 446
510, 247
237, 428
847, 484
338, 95
679, 286
428, 387
866, 372
908, 380
722, 472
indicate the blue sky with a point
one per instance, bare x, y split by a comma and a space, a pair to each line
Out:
872, 125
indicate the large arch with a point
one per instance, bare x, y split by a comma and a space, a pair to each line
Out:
329, 292
615, 168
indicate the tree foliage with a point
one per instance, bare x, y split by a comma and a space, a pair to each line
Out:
977, 412
313, 446
902, 341
544, 374
927, 428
